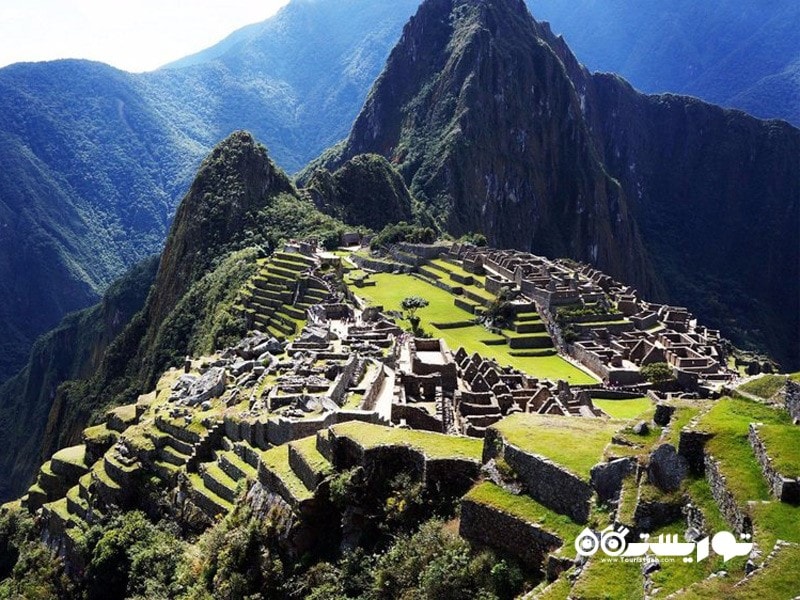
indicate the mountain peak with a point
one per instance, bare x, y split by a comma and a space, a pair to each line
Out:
235, 181
481, 118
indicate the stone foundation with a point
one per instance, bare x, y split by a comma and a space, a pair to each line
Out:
487, 525
785, 489
733, 513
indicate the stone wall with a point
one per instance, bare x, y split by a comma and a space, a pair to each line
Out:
281, 430
426, 251
547, 483
375, 389
691, 446
450, 477
590, 360
379, 266
487, 525
785, 489
450, 289
735, 515
793, 399
344, 380
302, 469
415, 417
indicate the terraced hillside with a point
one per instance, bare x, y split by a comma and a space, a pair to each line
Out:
276, 299
457, 300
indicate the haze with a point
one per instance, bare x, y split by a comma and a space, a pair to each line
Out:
134, 36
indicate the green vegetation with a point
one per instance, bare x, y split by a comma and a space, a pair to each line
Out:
554, 437
403, 232
307, 447
365, 191
389, 291
75, 455
729, 420
783, 447
773, 521
657, 373
623, 409
432, 445
609, 580
527, 509
766, 386
277, 460
777, 580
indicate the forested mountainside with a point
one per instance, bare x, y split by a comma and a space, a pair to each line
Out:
296, 81
497, 128
73, 350
239, 208
95, 159
734, 53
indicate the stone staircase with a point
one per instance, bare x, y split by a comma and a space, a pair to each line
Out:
276, 299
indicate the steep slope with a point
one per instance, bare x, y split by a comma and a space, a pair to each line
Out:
296, 80
95, 160
497, 127
718, 204
239, 206
73, 350
89, 173
364, 191
484, 123
733, 53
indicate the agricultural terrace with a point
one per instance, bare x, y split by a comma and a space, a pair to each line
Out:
389, 291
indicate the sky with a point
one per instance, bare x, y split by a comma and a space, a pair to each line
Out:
138, 35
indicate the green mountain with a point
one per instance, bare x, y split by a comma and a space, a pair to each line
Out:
497, 128
239, 206
733, 53
95, 159
363, 191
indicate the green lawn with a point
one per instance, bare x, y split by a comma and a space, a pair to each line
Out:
777, 580
624, 409
432, 445
575, 443
765, 387
729, 420
75, 455
783, 447
604, 579
527, 509
277, 460
389, 291
307, 448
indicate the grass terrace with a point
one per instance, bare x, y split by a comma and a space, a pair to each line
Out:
783, 447
72, 456
764, 387
609, 580
277, 460
389, 291
432, 445
773, 521
307, 448
575, 443
729, 420
778, 579
624, 409
527, 509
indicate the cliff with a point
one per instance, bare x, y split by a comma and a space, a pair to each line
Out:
497, 128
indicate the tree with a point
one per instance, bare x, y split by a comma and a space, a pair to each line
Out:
657, 373
410, 306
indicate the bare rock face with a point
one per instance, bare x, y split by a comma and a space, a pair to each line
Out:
667, 468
